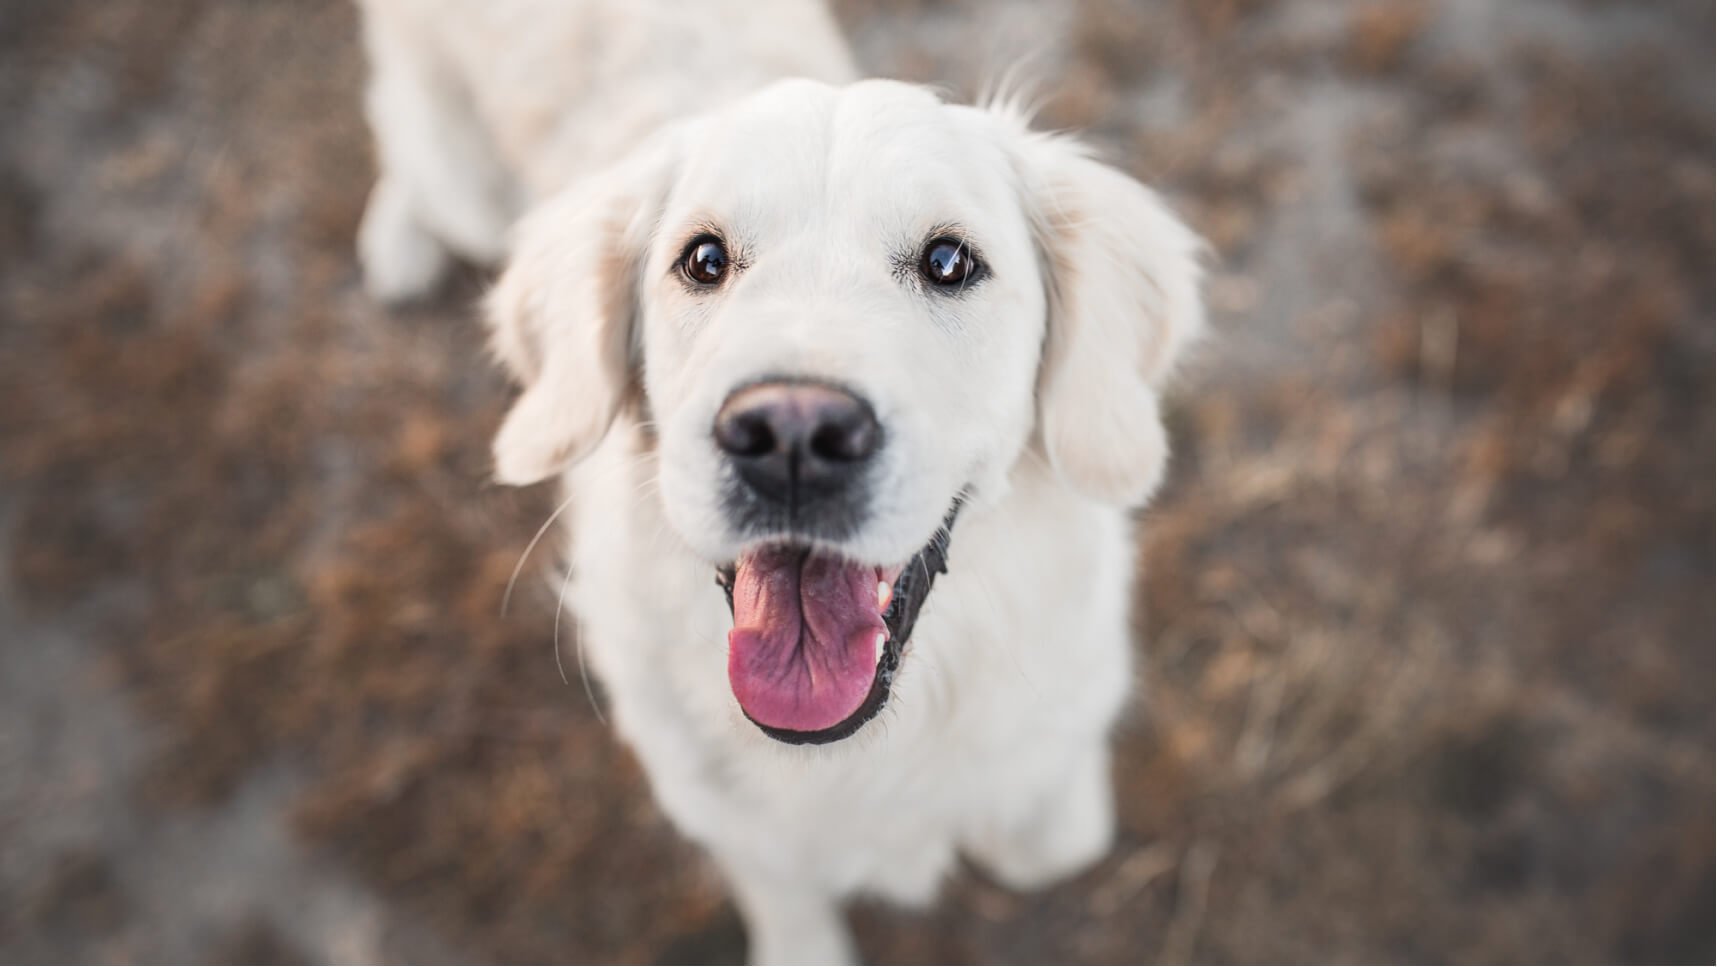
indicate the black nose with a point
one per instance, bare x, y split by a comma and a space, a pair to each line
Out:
795, 442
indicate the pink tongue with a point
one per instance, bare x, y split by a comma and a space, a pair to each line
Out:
803, 650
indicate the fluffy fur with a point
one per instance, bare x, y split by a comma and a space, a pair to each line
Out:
623, 129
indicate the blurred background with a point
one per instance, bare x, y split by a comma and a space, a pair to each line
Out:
1426, 614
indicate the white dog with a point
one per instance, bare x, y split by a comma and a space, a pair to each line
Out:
882, 369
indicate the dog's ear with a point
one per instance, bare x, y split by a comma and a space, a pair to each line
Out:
1122, 286
564, 315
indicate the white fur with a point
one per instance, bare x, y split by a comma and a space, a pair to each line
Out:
1033, 394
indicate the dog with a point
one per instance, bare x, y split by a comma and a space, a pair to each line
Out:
851, 392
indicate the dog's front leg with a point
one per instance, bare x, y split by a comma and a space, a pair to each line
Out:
1061, 830
787, 922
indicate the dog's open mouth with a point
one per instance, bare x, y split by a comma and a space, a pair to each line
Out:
816, 638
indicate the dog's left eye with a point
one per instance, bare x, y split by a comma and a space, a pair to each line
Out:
948, 261
705, 261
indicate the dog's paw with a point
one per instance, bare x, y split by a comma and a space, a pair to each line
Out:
804, 947
401, 261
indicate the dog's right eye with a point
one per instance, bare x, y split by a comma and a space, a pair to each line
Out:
705, 261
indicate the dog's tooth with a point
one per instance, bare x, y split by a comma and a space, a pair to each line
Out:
883, 594
880, 637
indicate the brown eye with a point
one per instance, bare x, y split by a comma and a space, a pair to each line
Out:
705, 261
947, 261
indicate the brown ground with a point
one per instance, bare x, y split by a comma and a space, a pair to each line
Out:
1427, 609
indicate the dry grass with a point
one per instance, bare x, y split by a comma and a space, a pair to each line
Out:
1426, 611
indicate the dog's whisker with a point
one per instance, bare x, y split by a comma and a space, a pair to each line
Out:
1031, 453
559, 608
648, 484
507, 596
584, 675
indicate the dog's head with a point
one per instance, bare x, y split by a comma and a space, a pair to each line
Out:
844, 312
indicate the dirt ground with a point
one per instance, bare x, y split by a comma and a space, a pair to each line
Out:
1427, 606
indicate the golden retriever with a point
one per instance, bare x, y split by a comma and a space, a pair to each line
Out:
851, 391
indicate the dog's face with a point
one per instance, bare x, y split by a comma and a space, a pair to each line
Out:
844, 312
874, 259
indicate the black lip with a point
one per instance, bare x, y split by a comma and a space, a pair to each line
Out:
910, 591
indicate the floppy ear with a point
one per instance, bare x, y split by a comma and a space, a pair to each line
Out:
1123, 299
564, 315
